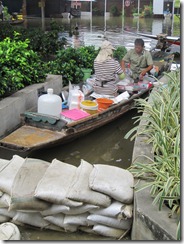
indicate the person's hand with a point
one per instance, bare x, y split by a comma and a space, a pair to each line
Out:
143, 73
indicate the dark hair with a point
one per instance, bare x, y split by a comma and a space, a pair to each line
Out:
139, 42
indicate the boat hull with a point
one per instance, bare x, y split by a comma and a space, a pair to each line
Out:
29, 137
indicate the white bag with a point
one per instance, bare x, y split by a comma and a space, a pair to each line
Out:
55, 184
114, 181
79, 189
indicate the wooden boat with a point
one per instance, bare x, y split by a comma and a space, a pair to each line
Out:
163, 40
42, 131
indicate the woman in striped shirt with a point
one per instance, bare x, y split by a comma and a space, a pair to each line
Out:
107, 70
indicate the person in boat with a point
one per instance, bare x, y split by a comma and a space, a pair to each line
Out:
106, 70
1, 11
140, 61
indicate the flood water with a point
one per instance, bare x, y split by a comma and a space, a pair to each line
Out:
106, 145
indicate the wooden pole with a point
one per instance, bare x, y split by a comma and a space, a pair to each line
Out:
42, 5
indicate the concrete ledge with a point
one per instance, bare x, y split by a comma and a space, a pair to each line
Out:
11, 107
149, 223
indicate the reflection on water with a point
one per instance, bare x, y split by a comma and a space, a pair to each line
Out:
94, 31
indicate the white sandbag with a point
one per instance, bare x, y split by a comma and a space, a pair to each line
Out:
3, 163
1, 193
25, 183
80, 191
8, 173
116, 209
108, 231
112, 211
5, 200
81, 209
114, 181
4, 218
58, 220
78, 219
33, 219
123, 224
55, 209
6, 212
87, 229
9, 231
55, 183
54, 227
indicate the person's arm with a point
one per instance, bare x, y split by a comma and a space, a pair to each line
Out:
126, 59
123, 65
149, 63
146, 70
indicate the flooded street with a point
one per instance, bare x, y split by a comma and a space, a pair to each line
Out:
105, 145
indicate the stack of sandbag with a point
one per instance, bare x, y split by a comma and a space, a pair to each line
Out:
18, 180
59, 196
111, 189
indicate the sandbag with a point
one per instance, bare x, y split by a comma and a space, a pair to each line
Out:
79, 189
110, 221
55, 209
7, 213
58, 220
5, 200
9, 231
8, 173
4, 218
33, 219
116, 209
81, 209
114, 181
25, 183
87, 229
55, 184
3, 163
108, 231
78, 219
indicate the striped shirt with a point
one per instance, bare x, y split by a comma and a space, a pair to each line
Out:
106, 71
105, 77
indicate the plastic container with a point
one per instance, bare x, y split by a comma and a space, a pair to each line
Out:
89, 106
50, 104
87, 73
75, 98
104, 103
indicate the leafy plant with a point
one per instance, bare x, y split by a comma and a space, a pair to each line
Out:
19, 66
162, 128
119, 53
45, 43
70, 61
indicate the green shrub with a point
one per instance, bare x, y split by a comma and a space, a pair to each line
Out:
19, 66
119, 53
70, 61
45, 43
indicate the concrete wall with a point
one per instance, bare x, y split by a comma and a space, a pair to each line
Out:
11, 107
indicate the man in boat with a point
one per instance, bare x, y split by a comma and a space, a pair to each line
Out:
140, 61
1, 10
106, 70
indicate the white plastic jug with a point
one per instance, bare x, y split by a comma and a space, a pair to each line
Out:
50, 104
